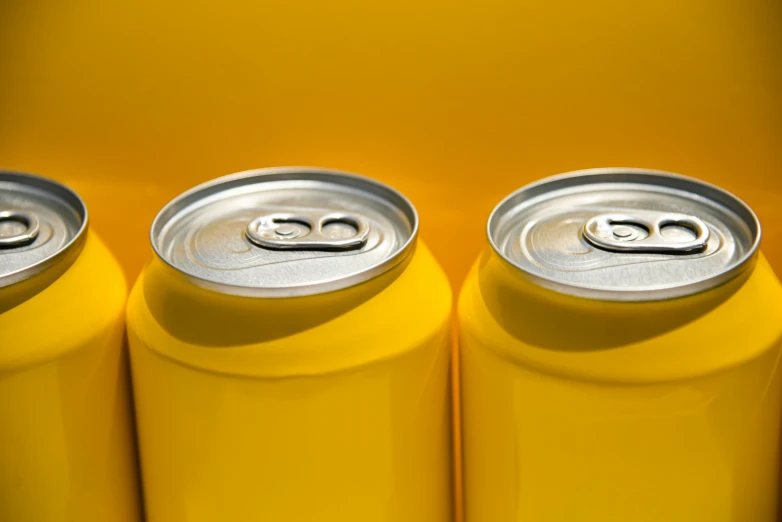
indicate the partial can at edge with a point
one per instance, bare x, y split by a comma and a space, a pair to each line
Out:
290, 352
67, 450
619, 343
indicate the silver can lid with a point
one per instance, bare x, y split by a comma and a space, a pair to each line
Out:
284, 232
42, 223
625, 234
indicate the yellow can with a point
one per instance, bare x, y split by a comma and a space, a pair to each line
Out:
290, 354
619, 344
66, 437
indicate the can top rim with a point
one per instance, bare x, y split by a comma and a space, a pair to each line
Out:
288, 173
68, 252
628, 175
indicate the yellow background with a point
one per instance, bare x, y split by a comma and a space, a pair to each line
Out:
455, 103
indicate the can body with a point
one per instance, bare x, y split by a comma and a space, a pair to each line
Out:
577, 409
330, 407
66, 438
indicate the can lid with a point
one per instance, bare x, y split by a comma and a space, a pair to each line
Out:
284, 232
42, 223
625, 234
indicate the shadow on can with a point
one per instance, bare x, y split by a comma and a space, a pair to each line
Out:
554, 321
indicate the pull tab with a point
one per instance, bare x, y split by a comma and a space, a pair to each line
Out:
309, 231
10, 220
645, 231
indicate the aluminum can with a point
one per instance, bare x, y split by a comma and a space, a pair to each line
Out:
67, 449
290, 355
619, 341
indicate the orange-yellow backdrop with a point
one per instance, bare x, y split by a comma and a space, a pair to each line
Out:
455, 103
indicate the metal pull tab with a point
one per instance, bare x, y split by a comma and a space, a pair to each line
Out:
645, 231
10, 221
309, 231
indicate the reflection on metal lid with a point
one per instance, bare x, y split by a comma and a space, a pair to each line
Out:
625, 234
284, 232
41, 223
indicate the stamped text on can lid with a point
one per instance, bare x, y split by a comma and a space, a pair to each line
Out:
284, 232
41, 223
625, 234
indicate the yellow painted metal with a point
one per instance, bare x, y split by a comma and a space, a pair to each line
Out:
66, 437
333, 407
577, 409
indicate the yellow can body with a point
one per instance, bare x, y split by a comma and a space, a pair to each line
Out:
593, 411
67, 451
332, 407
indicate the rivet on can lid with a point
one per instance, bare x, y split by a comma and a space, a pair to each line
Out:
625, 234
285, 232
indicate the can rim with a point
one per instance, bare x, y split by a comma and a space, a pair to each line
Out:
708, 190
71, 250
290, 173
